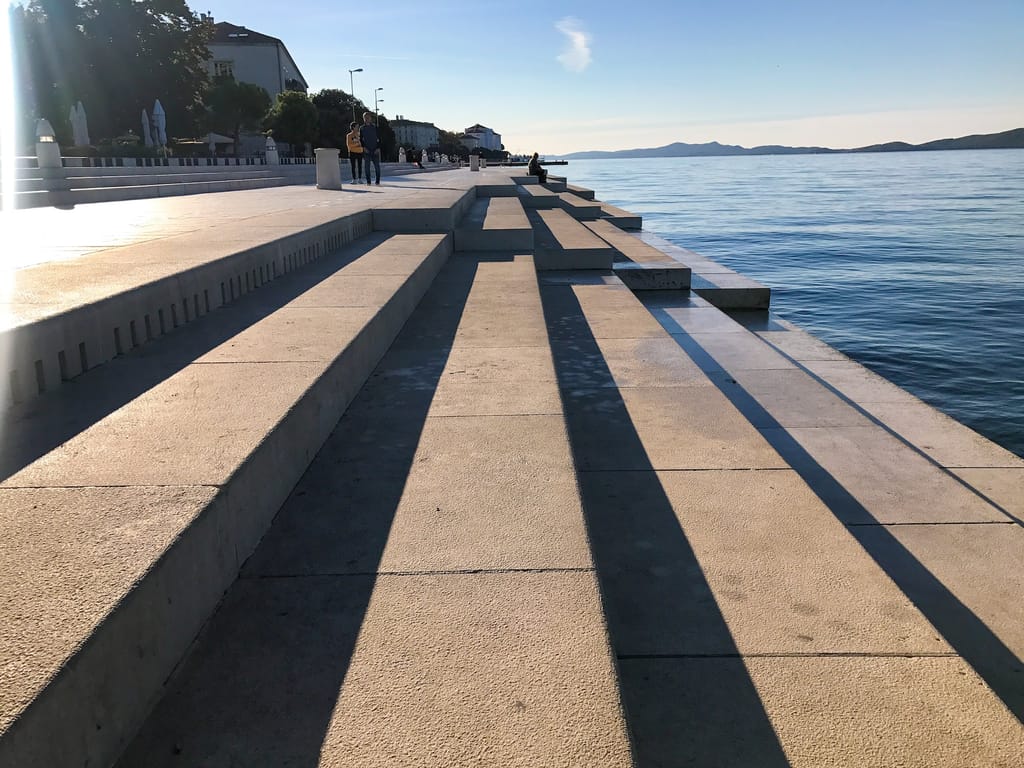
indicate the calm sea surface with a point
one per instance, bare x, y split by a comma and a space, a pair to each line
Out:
911, 263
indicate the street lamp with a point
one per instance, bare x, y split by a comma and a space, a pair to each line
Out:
352, 90
376, 101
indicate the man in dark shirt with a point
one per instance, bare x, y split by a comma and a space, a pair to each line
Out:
535, 169
370, 140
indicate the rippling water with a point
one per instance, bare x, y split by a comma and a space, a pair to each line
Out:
910, 263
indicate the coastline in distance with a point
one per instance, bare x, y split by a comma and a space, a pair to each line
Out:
1013, 139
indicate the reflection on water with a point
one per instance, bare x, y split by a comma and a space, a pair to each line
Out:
911, 263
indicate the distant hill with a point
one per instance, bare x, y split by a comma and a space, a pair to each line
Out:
1006, 140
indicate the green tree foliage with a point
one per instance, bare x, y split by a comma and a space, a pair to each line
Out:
293, 119
233, 107
388, 143
336, 109
448, 144
117, 57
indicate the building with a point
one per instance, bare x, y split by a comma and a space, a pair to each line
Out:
252, 57
412, 133
480, 136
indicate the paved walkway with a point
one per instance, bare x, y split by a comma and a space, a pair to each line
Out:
567, 524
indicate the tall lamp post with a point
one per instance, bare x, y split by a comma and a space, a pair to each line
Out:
376, 102
352, 90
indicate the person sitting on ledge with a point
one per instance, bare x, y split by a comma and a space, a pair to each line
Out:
534, 169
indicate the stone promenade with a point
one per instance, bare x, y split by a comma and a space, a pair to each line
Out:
456, 471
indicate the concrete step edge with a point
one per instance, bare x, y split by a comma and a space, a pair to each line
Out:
41, 356
81, 716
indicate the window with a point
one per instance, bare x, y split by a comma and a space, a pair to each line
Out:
223, 69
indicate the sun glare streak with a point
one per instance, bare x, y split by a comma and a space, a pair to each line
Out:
8, 154
8, 140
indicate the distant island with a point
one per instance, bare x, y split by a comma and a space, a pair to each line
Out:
1006, 140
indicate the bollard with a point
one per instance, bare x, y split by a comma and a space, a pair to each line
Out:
328, 169
272, 157
474, 162
51, 168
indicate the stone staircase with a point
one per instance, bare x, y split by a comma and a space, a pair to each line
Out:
447, 480
95, 185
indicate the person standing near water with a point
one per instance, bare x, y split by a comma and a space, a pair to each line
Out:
355, 152
370, 140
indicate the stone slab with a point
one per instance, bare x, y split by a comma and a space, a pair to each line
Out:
578, 208
790, 398
627, 244
866, 475
436, 210
1003, 487
732, 352
484, 669
586, 194
72, 557
630, 362
656, 276
621, 218
944, 439
808, 712
749, 562
982, 566
246, 430
597, 311
538, 196
642, 428
495, 224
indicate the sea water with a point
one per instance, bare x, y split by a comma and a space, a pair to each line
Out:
911, 263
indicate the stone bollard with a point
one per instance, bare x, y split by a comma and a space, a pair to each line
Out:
328, 169
483, 162
474, 162
51, 167
272, 157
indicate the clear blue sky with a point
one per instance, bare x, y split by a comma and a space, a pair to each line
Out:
558, 77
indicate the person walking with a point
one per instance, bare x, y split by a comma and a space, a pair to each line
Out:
355, 152
370, 140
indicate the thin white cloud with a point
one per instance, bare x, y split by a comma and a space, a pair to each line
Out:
576, 57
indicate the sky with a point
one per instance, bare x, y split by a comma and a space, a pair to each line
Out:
558, 77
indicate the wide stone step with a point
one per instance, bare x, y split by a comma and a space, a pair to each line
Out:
432, 210
132, 499
714, 282
580, 209
80, 178
621, 218
538, 196
773, 565
561, 242
495, 224
124, 297
425, 596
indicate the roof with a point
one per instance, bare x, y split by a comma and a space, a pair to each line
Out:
478, 129
223, 32
403, 121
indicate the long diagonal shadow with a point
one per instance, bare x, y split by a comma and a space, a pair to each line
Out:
262, 684
697, 708
964, 630
34, 429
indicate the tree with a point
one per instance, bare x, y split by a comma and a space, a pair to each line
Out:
293, 119
117, 57
233, 107
336, 109
448, 144
388, 142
